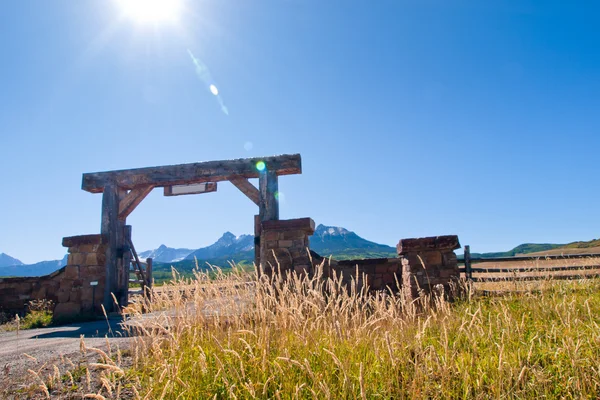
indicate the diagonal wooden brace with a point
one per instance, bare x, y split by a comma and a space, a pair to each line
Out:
132, 200
247, 188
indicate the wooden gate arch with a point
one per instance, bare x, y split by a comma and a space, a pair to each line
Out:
123, 190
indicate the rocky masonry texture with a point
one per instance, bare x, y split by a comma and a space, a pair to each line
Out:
428, 262
68, 288
85, 265
422, 264
284, 244
377, 273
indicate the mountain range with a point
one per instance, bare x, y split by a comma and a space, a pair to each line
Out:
37, 269
227, 245
327, 240
7, 261
337, 242
343, 244
165, 254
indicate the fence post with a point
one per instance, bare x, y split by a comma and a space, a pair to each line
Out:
148, 286
467, 257
126, 265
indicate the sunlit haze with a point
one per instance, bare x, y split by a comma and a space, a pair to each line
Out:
144, 11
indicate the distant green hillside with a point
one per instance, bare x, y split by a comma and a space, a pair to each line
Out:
583, 245
529, 248
342, 244
162, 271
520, 249
357, 254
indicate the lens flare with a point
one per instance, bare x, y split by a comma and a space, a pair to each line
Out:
261, 166
204, 74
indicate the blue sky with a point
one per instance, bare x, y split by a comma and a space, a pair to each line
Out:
413, 118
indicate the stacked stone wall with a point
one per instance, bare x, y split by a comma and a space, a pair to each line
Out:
422, 264
377, 273
284, 245
69, 288
15, 293
428, 263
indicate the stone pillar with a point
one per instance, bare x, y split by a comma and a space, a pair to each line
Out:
428, 262
284, 243
85, 265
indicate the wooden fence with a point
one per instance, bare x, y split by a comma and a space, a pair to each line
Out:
585, 266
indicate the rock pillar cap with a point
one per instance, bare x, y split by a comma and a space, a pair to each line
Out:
303, 224
71, 241
448, 242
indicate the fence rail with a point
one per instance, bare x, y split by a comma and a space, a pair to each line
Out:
530, 273
529, 278
534, 258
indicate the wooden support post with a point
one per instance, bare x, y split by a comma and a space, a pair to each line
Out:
109, 228
149, 280
468, 272
126, 264
257, 233
268, 190
121, 284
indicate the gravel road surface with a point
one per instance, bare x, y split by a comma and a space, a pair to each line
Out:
39, 349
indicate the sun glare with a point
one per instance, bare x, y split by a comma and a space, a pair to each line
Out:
152, 11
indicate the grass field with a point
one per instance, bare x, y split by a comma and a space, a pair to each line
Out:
290, 340
313, 338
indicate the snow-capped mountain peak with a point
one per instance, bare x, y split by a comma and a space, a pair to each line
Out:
227, 239
335, 240
228, 244
323, 230
166, 254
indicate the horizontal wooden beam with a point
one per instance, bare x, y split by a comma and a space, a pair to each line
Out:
540, 269
536, 278
533, 258
247, 188
210, 171
132, 200
195, 188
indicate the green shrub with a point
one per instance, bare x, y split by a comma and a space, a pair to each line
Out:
39, 314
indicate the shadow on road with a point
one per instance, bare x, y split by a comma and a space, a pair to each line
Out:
94, 329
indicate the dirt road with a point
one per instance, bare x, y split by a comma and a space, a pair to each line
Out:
40, 349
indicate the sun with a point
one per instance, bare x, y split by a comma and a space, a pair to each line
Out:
152, 11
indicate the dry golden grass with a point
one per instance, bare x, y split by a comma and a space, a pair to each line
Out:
243, 336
